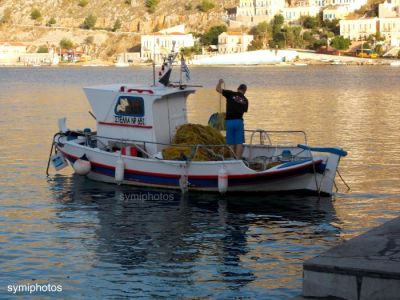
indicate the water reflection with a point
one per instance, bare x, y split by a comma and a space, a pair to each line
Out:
97, 244
149, 240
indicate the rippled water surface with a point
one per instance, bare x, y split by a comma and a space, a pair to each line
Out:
105, 241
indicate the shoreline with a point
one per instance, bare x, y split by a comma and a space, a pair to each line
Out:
332, 60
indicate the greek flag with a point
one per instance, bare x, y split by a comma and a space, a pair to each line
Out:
185, 69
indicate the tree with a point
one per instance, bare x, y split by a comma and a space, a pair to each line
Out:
261, 31
89, 22
211, 36
379, 50
256, 44
332, 25
66, 44
151, 5
206, 5
35, 14
278, 37
340, 43
117, 25
277, 23
310, 22
293, 37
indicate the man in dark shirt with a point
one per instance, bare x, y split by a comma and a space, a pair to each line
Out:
236, 105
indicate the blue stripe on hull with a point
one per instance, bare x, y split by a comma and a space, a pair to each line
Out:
200, 182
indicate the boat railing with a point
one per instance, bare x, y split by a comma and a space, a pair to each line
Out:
220, 151
266, 136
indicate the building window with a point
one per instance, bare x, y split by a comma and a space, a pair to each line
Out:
130, 106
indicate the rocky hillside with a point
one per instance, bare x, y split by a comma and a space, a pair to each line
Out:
20, 21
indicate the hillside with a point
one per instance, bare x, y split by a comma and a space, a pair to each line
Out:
17, 23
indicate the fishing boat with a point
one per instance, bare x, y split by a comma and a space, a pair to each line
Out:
136, 122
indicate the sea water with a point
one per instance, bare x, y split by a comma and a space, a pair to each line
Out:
64, 236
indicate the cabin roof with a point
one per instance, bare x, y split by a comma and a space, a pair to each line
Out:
143, 90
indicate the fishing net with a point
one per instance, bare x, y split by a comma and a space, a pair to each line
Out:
196, 134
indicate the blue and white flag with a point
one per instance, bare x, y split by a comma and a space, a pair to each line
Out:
185, 69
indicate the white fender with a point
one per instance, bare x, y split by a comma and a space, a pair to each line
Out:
222, 180
82, 166
119, 170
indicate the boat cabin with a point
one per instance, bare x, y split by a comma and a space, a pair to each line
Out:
148, 115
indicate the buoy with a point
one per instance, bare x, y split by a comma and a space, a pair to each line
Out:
119, 169
222, 180
82, 165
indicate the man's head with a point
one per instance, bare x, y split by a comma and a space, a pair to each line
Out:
242, 88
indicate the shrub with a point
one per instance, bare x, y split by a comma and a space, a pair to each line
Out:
206, 5
83, 3
51, 22
35, 14
66, 44
117, 25
151, 5
6, 16
43, 49
89, 22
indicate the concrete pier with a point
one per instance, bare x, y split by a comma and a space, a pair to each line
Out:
365, 267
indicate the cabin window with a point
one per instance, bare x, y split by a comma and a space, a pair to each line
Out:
130, 106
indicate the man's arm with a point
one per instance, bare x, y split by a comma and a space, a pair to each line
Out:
218, 88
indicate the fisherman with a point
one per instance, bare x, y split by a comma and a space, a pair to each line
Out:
236, 105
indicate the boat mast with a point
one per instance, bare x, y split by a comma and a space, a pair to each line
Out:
154, 60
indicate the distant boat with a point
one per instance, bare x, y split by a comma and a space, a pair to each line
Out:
121, 63
299, 64
395, 64
337, 62
94, 65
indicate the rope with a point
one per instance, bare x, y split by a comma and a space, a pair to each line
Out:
51, 152
340, 176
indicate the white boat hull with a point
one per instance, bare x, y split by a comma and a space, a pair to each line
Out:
315, 176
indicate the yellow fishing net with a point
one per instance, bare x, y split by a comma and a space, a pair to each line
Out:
196, 134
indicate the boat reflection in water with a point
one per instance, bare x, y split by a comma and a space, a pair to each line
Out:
158, 243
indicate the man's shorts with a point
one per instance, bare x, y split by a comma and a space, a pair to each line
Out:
234, 132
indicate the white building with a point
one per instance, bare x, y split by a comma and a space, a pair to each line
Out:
256, 11
390, 29
389, 9
352, 4
233, 42
157, 45
293, 13
10, 52
358, 29
252, 12
338, 12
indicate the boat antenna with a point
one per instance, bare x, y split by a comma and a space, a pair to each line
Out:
154, 60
